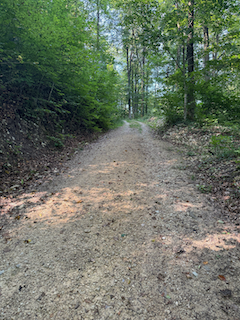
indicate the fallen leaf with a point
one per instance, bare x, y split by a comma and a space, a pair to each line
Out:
17, 217
205, 262
79, 201
222, 278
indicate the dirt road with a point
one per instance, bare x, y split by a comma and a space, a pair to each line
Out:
123, 233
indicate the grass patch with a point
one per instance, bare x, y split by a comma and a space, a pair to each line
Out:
135, 125
117, 124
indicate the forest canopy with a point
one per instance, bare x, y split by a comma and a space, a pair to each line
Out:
80, 64
183, 58
54, 66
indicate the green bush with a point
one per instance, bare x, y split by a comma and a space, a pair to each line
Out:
223, 146
172, 106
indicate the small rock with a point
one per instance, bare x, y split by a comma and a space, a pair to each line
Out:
181, 251
1, 272
192, 215
14, 187
226, 293
87, 231
195, 274
77, 305
207, 268
42, 295
161, 276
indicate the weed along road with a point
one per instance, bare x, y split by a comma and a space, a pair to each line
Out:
123, 233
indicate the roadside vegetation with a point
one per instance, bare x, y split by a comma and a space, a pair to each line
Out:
212, 154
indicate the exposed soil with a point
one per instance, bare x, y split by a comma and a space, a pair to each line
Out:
123, 233
28, 157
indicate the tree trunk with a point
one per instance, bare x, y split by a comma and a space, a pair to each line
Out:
206, 46
217, 41
191, 105
155, 98
184, 81
98, 23
51, 91
132, 86
146, 93
179, 47
135, 89
143, 83
129, 85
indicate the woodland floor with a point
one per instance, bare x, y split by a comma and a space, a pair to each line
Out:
122, 233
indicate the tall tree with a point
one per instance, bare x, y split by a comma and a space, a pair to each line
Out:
191, 104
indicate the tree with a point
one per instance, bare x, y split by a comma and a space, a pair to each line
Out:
46, 55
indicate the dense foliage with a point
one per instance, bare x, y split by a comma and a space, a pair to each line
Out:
55, 66
188, 53
180, 58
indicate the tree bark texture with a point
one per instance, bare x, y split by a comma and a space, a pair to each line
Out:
129, 84
190, 60
143, 83
98, 23
206, 46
